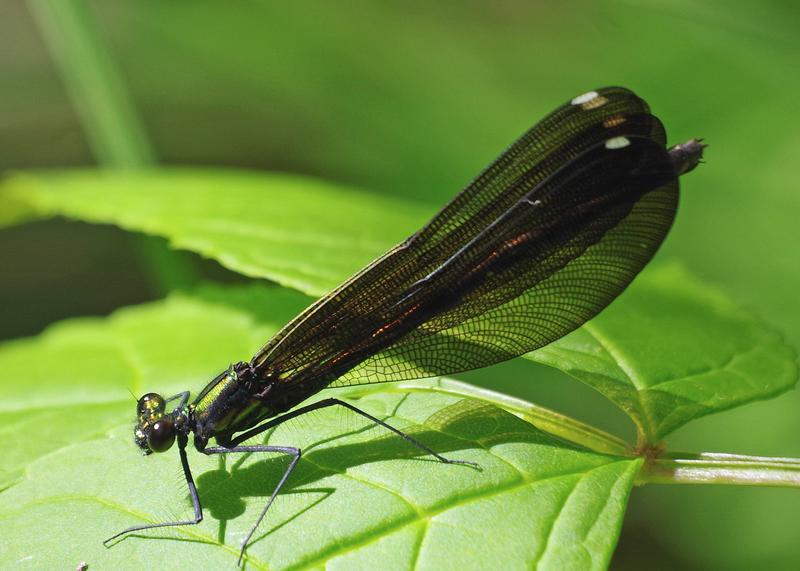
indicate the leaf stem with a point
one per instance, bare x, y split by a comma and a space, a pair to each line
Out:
552, 422
114, 130
719, 468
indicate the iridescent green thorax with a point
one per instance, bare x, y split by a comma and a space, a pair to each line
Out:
213, 391
230, 403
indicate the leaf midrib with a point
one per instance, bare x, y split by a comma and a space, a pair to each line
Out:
647, 424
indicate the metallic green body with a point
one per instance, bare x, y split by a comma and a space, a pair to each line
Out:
225, 406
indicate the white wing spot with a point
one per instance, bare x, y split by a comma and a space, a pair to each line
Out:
581, 99
617, 143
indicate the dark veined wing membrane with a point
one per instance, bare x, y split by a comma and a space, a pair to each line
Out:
552, 287
560, 136
541, 241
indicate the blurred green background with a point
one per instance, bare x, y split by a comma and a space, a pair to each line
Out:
413, 99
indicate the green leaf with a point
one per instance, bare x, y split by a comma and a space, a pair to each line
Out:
71, 383
357, 499
669, 350
360, 497
297, 231
672, 349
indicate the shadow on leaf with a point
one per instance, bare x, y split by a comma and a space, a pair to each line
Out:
465, 424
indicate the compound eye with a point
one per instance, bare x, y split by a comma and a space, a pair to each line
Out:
151, 404
161, 435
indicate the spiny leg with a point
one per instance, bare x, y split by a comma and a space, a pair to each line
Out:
333, 402
184, 396
234, 446
198, 509
260, 448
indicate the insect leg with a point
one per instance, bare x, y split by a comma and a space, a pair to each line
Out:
333, 402
198, 509
234, 446
295, 452
184, 396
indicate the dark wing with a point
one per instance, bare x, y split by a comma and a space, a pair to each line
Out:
540, 242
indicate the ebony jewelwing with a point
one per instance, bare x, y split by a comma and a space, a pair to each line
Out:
541, 241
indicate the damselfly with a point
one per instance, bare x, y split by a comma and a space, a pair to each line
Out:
541, 241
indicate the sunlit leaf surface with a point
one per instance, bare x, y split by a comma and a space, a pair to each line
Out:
359, 498
672, 349
297, 231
